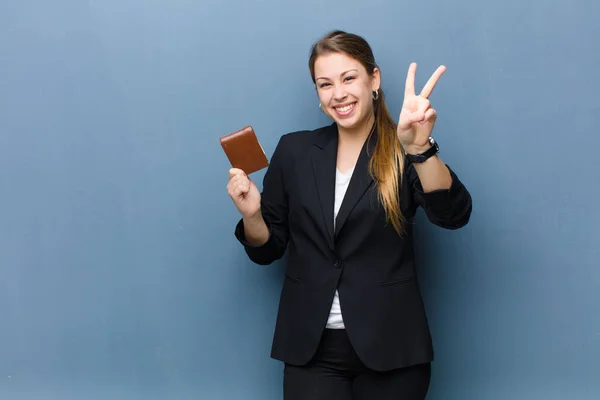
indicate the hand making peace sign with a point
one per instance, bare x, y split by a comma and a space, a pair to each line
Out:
417, 116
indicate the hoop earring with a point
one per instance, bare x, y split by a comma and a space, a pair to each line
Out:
376, 94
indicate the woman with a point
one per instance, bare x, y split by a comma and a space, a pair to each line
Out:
341, 200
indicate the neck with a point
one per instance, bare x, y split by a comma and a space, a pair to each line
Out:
358, 134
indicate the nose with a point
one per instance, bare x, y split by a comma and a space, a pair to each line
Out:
339, 94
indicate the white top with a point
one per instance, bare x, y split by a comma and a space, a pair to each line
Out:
335, 320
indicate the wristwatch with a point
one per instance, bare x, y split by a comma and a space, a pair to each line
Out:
422, 157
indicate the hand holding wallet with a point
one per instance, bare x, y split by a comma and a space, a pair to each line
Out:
244, 151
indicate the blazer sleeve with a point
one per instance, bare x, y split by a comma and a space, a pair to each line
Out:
446, 208
274, 209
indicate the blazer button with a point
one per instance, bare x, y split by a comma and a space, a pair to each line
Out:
338, 264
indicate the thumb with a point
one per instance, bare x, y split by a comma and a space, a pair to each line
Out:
235, 172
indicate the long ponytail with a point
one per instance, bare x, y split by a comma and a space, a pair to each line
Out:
387, 163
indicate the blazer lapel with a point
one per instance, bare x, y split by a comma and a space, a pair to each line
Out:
359, 183
324, 159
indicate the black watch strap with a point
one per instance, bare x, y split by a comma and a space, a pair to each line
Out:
422, 157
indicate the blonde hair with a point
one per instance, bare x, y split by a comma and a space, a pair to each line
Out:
387, 163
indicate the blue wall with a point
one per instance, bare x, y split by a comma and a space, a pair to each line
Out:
120, 277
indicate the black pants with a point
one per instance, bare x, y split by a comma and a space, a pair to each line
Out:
336, 373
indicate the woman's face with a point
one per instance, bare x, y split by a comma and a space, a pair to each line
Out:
345, 89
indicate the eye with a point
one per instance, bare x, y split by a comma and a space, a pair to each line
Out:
322, 85
349, 78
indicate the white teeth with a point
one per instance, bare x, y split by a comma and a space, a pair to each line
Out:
345, 108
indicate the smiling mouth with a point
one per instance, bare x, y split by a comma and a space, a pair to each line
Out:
345, 110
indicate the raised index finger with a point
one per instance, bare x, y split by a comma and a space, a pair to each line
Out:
409, 88
428, 88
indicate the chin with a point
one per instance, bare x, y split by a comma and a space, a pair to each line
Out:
354, 122
349, 125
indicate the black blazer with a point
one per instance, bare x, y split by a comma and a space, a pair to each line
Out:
364, 258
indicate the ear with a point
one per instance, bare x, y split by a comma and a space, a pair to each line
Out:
376, 79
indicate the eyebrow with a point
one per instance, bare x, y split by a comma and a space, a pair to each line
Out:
342, 74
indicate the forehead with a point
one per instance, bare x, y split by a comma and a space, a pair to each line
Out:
331, 65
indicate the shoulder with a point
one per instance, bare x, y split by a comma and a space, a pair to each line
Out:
293, 148
303, 137
298, 142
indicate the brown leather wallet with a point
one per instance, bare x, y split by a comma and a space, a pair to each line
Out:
244, 151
